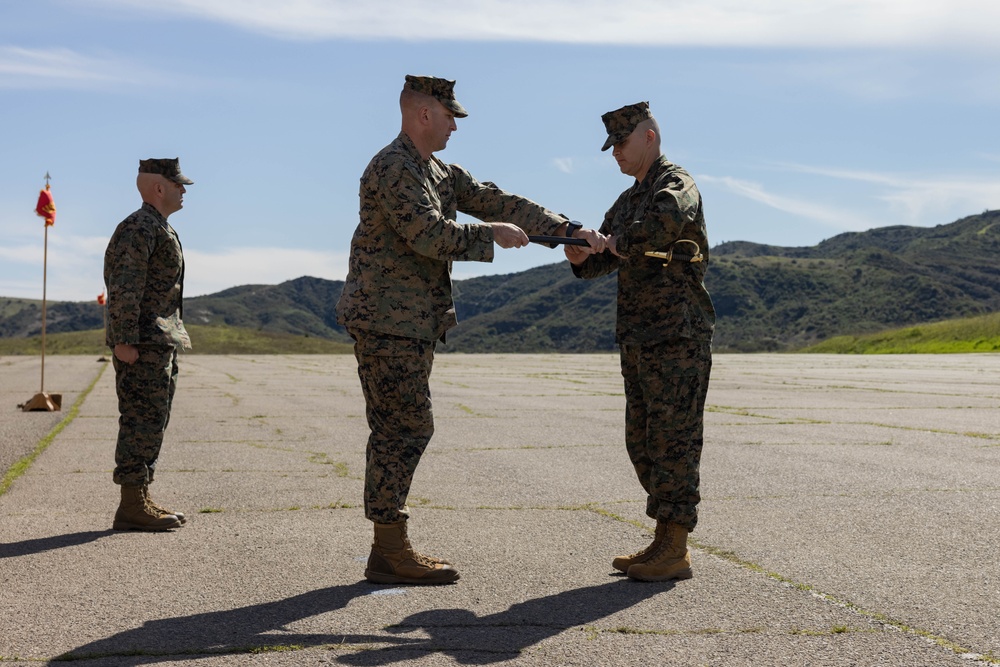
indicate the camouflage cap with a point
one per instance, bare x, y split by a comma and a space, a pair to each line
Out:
621, 122
165, 166
442, 90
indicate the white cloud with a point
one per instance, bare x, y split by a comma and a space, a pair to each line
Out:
890, 199
61, 68
809, 210
919, 200
76, 268
210, 272
817, 23
563, 164
45, 68
19, 253
66, 252
922, 200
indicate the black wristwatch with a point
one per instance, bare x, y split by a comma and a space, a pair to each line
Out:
572, 226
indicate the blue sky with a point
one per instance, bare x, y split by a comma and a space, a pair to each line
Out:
798, 120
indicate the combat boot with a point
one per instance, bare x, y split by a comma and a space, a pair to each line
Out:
672, 560
159, 508
134, 514
623, 563
394, 561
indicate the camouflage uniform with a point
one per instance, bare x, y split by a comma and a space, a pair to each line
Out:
144, 273
665, 322
397, 298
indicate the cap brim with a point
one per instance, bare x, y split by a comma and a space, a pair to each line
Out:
182, 179
615, 138
456, 108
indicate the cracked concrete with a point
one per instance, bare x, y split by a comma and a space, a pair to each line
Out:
850, 517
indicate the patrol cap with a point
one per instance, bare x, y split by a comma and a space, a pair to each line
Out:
165, 166
442, 90
621, 122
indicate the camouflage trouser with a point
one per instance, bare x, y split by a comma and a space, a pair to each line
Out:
665, 388
145, 391
394, 374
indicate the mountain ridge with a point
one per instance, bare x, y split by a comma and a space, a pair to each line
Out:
768, 298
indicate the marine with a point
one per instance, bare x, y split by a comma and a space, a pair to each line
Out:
397, 301
144, 276
664, 328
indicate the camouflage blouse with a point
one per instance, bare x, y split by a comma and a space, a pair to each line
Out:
399, 277
656, 303
144, 274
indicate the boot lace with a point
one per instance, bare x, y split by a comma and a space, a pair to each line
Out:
423, 560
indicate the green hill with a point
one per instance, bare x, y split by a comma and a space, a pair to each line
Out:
768, 298
771, 298
304, 306
545, 309
974, 334
23, 317
205, 339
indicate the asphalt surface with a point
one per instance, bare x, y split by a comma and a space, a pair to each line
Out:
850, 516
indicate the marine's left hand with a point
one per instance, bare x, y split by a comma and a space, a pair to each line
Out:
597, 240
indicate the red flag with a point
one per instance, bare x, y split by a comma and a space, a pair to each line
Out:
46, 207
100, 299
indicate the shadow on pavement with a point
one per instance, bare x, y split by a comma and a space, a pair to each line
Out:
468, 638
42, 544
480, 640
222, 632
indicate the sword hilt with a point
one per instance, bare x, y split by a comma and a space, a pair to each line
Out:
669, 254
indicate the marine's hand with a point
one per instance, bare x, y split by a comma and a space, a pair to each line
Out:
613, 245
126, 353
507, 235
597, 240
577, 254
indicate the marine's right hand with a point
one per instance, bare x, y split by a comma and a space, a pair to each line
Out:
126, 353
507, 235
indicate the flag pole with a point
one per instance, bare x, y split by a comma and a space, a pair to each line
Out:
42, 402
45, 276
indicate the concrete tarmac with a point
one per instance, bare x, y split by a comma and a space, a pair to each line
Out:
850, 516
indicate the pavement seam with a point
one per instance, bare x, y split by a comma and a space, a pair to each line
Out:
593, 631
24, 464
517, 448
878, 617
784, 421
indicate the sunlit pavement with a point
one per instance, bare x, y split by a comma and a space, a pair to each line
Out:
850, 516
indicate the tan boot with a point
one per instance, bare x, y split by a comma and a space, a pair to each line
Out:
134, 514
671, 561
393, 560
623, 563
159, 508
